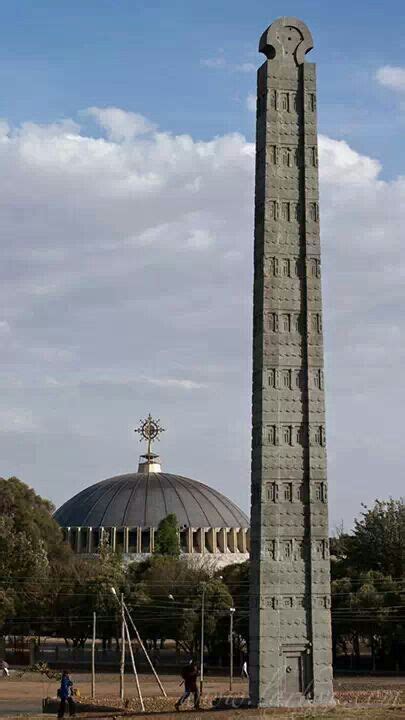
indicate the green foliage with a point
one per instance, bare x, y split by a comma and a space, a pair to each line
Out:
236, 578
379, 539
167, 537
165, 597
368, 583
31, 552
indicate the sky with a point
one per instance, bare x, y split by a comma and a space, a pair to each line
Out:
126, 218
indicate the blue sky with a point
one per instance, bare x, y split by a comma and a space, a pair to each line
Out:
126, 205
146, 57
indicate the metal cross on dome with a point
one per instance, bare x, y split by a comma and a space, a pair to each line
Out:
149, 430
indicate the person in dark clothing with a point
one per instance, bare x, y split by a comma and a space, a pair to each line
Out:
66, 692
190, 675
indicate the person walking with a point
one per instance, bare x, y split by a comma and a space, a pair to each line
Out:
66, 693
189, 675
4, 668
244, 672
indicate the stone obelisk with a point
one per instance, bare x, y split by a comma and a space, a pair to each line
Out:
290, 633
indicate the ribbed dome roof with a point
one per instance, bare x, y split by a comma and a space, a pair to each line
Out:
143, 500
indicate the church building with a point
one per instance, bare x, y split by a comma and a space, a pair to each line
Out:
127, 509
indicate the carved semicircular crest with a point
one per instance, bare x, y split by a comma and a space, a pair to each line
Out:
287, 40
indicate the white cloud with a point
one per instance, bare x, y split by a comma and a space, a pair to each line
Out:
16, 421
120, 125
220, 62
392, 77
214, 62
128, 286
246, 67
4, 327
182, 384
251, 102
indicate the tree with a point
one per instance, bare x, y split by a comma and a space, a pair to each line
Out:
167, 537
236, 578
378, 541
31, 551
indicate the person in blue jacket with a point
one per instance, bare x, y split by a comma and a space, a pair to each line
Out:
66, 693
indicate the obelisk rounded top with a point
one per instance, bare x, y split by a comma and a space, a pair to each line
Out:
286, 40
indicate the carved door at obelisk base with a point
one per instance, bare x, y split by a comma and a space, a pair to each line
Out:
295, 670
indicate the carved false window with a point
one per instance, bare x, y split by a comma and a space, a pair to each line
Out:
318, 379
297, 268
287, 435
287, 492
321, 492
314, 156
272, 492
272, 435
299, 435
286, 379
286, 155
272, 378
297, 323
298, 211
274, 210
286, 550
300, 492
295, 102
311, 102
273, 154
273, 322
285, 211
319, 436
285, 267
314, 211
299, 550
316, 323
285, 102
285, 323
273, 99
315, 267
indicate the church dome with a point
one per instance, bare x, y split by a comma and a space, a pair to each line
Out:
144, 499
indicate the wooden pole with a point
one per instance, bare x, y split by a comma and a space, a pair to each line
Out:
122, 664
138, 687
231, 612
93, 659
202, 640
138, 637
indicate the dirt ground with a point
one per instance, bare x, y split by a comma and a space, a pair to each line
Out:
374, 698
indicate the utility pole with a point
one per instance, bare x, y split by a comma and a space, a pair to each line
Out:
93, 659
202, 638
231, 613
122, 665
